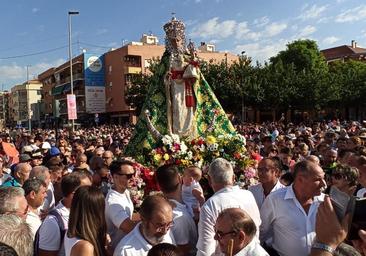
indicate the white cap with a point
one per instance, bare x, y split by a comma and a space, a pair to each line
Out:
46, 145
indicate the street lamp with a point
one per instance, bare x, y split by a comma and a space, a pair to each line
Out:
70, 13
29, 110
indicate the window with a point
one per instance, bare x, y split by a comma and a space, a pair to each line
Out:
39, 92
110, 84
110, 69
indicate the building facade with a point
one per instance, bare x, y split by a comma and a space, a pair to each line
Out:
24, 103
4, 109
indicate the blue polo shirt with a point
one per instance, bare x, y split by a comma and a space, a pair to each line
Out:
11, 183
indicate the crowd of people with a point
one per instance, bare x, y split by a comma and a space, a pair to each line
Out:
68, 193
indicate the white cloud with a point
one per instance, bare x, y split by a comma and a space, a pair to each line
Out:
352, 15
261, 51
274, 29
306, 31
261, 22
16, 72
330, 40
242, 30
34, 10
312, 12
214, 28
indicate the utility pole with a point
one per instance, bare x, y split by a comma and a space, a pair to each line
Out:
70, 13
27, 87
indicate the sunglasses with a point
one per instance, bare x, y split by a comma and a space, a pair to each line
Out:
128, 175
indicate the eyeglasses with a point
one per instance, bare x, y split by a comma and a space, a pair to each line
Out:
128, 175
163, 227
106, 157
220, 235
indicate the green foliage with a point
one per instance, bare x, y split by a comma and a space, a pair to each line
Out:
298, 77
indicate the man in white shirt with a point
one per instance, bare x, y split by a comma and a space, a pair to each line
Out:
288, 214
221, 179
269, 171
119, 207
35, 193
236, 225
154, 228
184, 229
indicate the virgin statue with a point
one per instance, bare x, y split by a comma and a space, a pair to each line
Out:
179, 100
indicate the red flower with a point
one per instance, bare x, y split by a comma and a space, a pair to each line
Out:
237, 155
200, 142
176, 147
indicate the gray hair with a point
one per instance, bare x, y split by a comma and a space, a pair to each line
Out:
8, 201
221, 172
304, 167
39, 172
33, 184
17, 234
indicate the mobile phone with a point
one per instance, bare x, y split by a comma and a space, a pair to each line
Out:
358, 218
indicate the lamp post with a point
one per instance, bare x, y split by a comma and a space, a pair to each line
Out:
27, 87
70, 13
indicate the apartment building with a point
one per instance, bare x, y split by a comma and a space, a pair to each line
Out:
24, 103
4, 109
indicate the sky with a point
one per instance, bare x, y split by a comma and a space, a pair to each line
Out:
34, 33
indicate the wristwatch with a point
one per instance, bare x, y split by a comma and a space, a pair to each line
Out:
323, 247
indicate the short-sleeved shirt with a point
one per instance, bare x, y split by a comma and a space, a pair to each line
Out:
118, 208
184, 229
134, 244
49, 231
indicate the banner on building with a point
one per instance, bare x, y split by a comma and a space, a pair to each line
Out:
94, 83
71, 107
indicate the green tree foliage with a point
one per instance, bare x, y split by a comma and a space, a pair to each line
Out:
298, 77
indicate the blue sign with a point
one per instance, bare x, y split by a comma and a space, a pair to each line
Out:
94, 70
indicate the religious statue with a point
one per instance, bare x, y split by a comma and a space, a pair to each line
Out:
179, 100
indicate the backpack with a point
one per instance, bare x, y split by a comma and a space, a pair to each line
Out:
61, 226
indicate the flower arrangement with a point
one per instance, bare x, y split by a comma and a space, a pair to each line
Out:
200, 151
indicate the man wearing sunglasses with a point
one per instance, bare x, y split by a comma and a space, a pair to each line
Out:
236, 225
119, 207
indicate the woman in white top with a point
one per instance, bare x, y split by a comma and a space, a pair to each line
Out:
86, 234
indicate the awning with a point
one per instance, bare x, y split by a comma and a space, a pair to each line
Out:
57, 90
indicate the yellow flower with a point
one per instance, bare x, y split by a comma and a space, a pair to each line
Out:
166, 157
210, 140
157, 158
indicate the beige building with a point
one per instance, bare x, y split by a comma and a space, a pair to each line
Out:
24, 102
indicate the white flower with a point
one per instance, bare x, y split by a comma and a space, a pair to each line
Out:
183, 147
167, 140
189, 155
202, 148
233, 163
175, 138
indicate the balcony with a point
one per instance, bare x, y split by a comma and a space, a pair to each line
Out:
132, 70
78, 76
